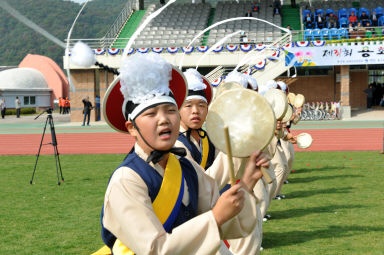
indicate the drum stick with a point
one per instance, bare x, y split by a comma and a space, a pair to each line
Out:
266, 175
229, 155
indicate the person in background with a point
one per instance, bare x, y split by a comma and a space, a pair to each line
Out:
308, 21
352, 19
248, 13
320, 21
61, 105
364, 18
370, 91
87, 110
2, 108
256, 7
276, 7
332, 20
18, 107
374, 19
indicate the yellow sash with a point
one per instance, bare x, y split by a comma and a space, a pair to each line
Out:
204, 151
164, 201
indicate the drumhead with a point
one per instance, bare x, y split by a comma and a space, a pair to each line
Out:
227, 86
288, 114
299, 100
278, 101
291, 98
249, 117
304, 140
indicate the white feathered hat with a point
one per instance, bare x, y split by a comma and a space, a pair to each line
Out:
198, 86
145, 80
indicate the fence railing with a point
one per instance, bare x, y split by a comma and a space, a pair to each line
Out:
117, 25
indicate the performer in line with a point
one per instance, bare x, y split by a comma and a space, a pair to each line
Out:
158, 202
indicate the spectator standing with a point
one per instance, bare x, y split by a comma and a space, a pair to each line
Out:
320, 21
256, 7
87, 110
374, 19
67, 105
353, 19
18, 107
249, 13
2, 108
308, 21
61, 105
332, 20
276, 7
370, 90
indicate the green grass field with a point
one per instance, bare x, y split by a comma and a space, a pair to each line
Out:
334, 205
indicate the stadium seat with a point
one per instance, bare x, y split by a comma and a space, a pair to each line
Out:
361, 10
343, 21
307, 34
379, 11
325, 33
316, 35
334, 33
353, 10
321, 11
343, 13
305, 12
343, 32
328, 11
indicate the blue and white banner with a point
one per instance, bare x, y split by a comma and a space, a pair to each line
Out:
231, 48
188, 50
274, 56
217, 82
172, 50
113, 51
158, 49
318, 43
259, 47
218, 49
336, 55
303, 43
260, 65
99, 51
245, 47
130, 51
142, 50
202, 48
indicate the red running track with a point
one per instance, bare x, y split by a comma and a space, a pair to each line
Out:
99, 143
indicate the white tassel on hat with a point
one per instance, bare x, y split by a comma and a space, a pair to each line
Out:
235, 76
251, 81
82, 55
194, 79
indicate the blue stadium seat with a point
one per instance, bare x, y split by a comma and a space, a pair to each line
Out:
381, 21
379, 11
343, 32
305, 11
334, 33
325, 33
343, 21
321, 11
362, 9
353, 10
343, 13
307, 34
328, 11
316, 34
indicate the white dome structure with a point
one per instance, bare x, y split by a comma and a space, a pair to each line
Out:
28, 84
22, 78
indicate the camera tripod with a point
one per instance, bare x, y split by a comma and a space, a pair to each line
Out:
54, 144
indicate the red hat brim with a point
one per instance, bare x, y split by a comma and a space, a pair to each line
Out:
208, 90
114, 99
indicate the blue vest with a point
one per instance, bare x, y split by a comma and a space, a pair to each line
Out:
153, 181
196, 154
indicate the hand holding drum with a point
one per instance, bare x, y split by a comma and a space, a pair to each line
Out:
249, 118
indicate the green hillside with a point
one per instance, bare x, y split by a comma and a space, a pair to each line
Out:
56, 17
